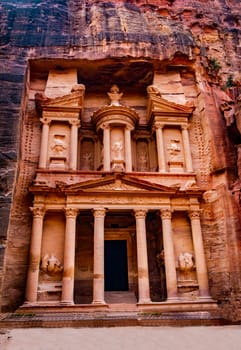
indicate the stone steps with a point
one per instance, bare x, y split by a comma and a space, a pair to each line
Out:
110, 319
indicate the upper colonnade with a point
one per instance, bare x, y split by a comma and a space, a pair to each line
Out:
117, 144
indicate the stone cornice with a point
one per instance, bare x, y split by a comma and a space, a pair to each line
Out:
120, 184
111, 115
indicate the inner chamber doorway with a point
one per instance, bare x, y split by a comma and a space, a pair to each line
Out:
116, 265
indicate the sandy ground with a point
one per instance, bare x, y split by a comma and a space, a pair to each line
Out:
123, 338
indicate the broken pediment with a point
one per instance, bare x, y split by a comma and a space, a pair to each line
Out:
73, 100
158, 106
117, 183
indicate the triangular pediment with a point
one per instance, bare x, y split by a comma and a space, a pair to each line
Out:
117, 183
73, 100
158, 103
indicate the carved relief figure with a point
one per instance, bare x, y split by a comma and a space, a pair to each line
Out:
142, 155
117, 149
87, 160
87, 154
59, 145
142, 161
51, 264
115, 96
185, 262
174, 148
160, 260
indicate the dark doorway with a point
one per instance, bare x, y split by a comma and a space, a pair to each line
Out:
116, 269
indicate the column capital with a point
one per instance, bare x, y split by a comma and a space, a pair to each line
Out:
140, 213
71, 212
105, 126
129, 127
74, 122
45, 121
158, 126
166, 214
184, 126
194, 214
99, 212
38, 211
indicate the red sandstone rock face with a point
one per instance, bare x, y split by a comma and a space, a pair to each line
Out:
204, 35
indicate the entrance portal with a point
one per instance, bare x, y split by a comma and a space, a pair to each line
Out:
116, 267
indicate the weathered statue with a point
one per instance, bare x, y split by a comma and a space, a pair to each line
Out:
160, 260
117, 149
174, 147
115, 95
87, 160
59, 145
50, 264
186, 262
142, 161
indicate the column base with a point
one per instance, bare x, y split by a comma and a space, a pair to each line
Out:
173, 299
98, 302
206, 298
29, 303
66, 303
144, 301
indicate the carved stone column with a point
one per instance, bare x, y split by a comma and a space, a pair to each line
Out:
73, 144
186, 148
34, 254
98, 280
202, 274
128, 152
169, 256
44, 143
69, 257
160, 147
142, 258
106, 146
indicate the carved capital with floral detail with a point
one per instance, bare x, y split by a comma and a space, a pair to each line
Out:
38, 211
71, 212
166, 214
45, 121
184, 127
194, 214
140, 213
105, 126
157, 126
74, 122
99, 212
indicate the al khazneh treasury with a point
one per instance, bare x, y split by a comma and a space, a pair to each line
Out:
116, 209
120, 160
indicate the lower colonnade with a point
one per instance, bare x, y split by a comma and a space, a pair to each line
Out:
99, 213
